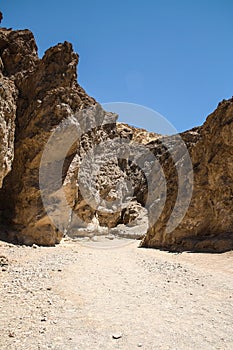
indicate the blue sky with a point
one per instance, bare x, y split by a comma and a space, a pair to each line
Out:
175, 57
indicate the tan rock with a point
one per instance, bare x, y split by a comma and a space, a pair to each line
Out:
208, 223
64, 162
8, 95
48, 94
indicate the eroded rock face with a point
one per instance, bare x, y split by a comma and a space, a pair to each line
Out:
48, 94
102, 180
208, 223
8, 94
66, 166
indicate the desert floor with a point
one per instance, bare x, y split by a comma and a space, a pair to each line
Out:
84, 295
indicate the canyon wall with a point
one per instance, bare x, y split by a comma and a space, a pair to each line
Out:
208, 222
65, 162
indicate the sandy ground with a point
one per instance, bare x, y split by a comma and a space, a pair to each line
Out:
80, 297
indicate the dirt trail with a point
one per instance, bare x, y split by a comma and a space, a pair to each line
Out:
78, 297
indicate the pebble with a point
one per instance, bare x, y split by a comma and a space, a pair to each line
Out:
111, 237
3, 261
117, 336
139, 345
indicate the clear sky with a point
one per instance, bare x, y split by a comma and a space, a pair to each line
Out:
174, 56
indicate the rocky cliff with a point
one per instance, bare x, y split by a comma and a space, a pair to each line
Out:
42, 100
208, 222
66, 165
47, 92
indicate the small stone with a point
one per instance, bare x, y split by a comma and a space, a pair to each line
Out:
139, 345
34, 246
117, 336
3, 261
11, 334
42, 331
111, 237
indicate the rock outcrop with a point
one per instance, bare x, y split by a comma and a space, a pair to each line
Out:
208, 223
47, 99
47, 94
118, 184
67, 166
8, 94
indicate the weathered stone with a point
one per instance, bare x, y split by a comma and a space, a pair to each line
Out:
48, 94
53, 182
8, 95
208, 223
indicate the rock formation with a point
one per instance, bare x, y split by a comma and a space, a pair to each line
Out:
47, 93
208, 223
66, 166
8, 97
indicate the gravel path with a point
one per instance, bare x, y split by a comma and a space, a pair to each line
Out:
82, 297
